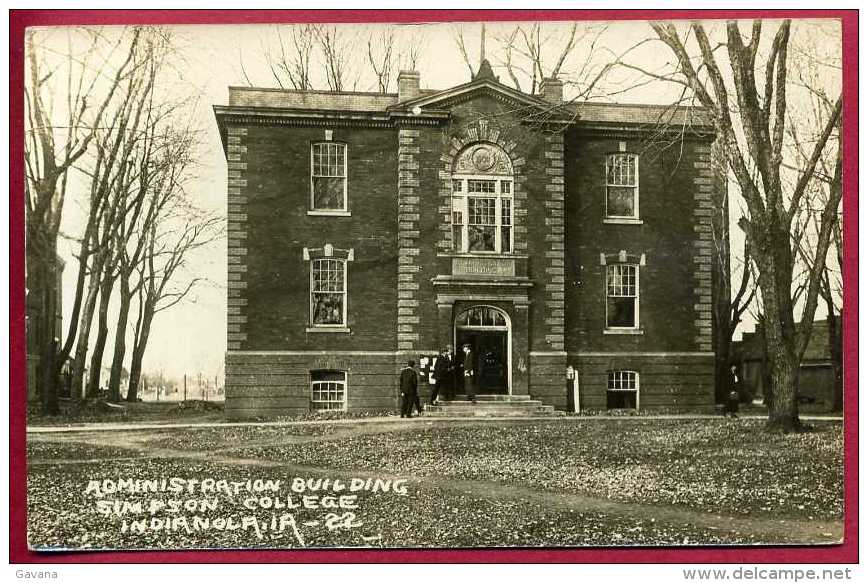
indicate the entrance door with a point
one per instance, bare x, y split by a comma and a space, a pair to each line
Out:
486, 330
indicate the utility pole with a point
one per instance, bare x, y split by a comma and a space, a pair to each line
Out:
185, 386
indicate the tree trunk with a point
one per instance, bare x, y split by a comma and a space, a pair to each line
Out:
42, 275
101, 337
139, 354
48, 353
775, 280
784, 377
721, 361
120, 341
88, 307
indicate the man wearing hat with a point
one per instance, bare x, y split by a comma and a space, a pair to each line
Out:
443, 376
469, 374
409, 390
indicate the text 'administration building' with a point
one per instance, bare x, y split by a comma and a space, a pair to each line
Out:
366, 229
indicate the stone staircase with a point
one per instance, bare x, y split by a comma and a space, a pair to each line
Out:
492, 406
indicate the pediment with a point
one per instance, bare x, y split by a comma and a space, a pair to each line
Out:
473, 90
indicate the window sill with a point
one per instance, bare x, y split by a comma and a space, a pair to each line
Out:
329, 213
622, 221
626, 331
333, 329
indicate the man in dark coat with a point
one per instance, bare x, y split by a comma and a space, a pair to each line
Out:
442, 376
732, 397
469, 374
409, 390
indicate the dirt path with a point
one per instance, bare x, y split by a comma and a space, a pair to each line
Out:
112, 426
771, 528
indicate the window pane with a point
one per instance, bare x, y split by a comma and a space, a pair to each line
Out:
457, 223
328, 308
481, 238
328, 159
327, 293
327, 375
481, 231
505, 187
621, 399
456, 186
620, 201
481, 186
621, 312
328, 390
328, 193
621, 280
621, 170
481, 211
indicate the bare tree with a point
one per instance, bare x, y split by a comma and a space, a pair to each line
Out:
458, 35
336, 48
380, 57
169, 244
83, 85
290, 62
751, 133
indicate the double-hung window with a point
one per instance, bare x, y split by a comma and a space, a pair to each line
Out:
622, 186
482, 218
328, 177
328, 292
622, 389
622, 296
328, 390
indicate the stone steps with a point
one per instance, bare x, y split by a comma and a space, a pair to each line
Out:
492, 406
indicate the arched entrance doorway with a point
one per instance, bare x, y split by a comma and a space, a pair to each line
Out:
488, 331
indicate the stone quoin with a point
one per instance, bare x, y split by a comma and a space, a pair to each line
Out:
367, 229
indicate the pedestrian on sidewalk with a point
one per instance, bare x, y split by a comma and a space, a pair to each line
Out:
410, 390
442, 376
732, 398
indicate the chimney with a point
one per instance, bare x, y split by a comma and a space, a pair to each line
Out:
408, 85
552, 90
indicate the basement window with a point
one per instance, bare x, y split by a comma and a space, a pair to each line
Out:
622, 389
328, 390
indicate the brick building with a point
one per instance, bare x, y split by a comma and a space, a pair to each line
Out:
366, 229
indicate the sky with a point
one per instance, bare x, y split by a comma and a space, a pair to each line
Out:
191, 337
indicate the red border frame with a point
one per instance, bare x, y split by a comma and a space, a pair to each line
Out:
18, 551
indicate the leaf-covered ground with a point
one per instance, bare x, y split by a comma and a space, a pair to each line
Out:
562, 482
712, 465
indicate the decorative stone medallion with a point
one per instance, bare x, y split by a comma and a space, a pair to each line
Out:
483, 159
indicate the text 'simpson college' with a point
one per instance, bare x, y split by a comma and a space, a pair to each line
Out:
368, 229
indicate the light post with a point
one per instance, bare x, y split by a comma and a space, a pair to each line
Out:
573, 394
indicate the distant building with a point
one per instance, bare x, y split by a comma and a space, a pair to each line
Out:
366, 229
817, 382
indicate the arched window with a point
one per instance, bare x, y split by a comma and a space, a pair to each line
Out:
481, 317
482, 188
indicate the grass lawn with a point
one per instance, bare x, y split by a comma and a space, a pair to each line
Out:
97, 411
560, 482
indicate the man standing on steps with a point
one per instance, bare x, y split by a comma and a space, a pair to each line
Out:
442, 376
409, 390
469, 375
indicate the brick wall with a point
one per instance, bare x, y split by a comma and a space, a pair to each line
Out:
272, 384
236, 162
669, 280
399, 193
279, 228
